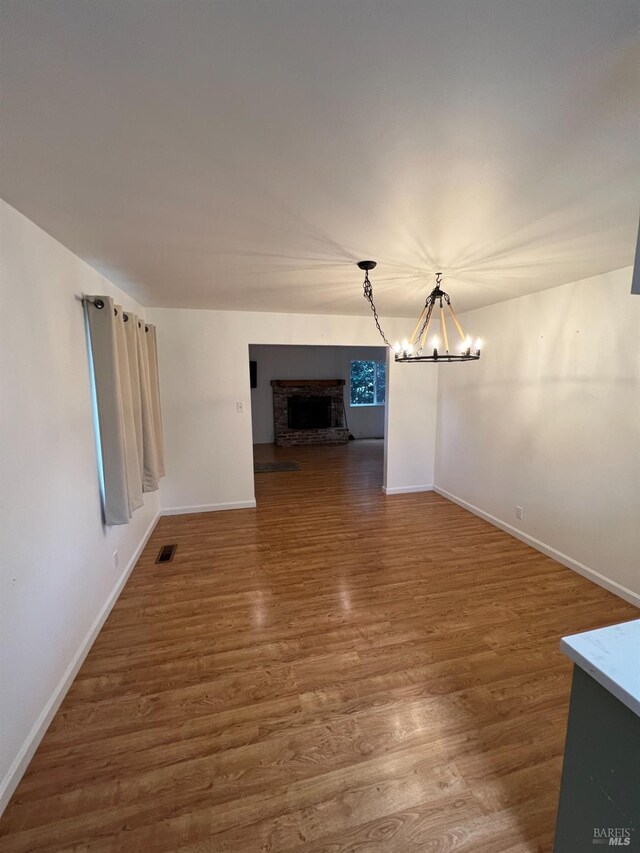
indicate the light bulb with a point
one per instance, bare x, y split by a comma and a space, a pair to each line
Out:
409, 348
463, 346
467, 342
478, 344
405, 344
435, 342
396, 347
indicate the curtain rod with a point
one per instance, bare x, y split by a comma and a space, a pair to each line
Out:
99, 303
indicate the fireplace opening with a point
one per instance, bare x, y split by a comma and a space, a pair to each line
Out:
309, 412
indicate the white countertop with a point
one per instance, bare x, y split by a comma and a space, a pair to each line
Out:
612, 657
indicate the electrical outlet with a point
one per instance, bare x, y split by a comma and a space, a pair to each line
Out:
115, 559
240, 407
519, 512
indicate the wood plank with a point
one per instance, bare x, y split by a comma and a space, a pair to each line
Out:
333, 671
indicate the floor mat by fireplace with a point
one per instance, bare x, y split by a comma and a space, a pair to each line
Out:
271, 467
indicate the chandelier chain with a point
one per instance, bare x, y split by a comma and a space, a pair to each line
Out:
368, 293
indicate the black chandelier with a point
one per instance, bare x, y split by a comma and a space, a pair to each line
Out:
415, 348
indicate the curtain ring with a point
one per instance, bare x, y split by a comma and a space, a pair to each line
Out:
98, 303
146, 328
125, 317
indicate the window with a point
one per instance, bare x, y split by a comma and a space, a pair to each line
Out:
368, 383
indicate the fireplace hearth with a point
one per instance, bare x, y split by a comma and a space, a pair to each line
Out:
309, 411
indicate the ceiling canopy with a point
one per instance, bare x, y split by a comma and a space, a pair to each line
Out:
245, 154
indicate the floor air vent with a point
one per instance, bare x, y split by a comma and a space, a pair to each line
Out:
166, 554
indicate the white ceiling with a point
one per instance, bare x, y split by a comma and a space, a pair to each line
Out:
245, 154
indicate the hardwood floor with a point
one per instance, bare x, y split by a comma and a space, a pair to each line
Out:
334, 671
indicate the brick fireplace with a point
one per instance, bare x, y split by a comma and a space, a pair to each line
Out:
308, 411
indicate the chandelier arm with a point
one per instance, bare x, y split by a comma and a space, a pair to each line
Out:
455, 320
414, 334
425, 328
443, 322
368, 294
430, 303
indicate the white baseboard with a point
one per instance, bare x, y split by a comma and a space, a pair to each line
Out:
406, 490
185, 510
569, 562
22, 759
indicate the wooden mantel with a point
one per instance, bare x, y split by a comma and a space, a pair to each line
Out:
291, 383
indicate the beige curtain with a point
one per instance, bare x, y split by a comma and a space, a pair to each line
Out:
132, 465
125, 370
131, 337
152, 350
149, 454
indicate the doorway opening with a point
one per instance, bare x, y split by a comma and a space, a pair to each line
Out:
313, 405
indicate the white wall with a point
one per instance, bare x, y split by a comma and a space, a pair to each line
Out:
57, 573
282, 362
204, 372
549, 420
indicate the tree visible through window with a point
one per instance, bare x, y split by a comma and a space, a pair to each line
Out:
368, 383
